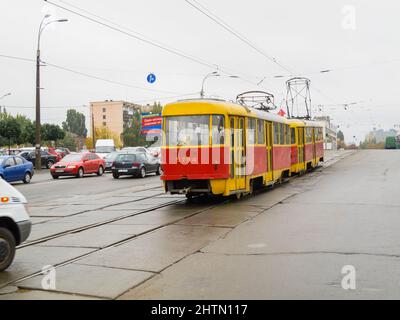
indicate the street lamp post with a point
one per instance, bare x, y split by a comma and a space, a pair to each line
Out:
212, 74
43, 25
3, 96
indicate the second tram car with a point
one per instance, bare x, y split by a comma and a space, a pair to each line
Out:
221, 148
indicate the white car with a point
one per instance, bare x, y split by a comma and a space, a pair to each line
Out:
15, 224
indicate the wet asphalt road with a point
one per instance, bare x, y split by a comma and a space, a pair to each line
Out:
128, 240
44, 188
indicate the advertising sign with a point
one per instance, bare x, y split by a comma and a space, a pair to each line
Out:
151, 123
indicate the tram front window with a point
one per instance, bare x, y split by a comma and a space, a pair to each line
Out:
188, 131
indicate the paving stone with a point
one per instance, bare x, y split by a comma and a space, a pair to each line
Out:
226, 216
98, 237
91, 280
156, 250
282, 276
32, 259
156, 218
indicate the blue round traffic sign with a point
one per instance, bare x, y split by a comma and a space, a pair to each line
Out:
151, 78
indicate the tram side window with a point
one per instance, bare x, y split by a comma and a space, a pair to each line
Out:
218, 129
260, 132
251, 131
276, 133
293, 135
320, 136
287, 134
282, 134
188, 130
308, 135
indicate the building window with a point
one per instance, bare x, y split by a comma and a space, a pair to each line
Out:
104, 109
104, 117
104, 124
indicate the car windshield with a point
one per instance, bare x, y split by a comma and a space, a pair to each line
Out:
126, 157
105, 149
72, 158
188, 130
111, 156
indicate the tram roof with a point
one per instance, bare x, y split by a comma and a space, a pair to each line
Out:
209, 106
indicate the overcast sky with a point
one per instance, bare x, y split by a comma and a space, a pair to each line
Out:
305, 36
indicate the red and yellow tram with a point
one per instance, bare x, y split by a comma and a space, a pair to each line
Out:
221, 148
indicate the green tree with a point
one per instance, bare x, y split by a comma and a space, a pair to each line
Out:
68, 142
131, 135
9, 129
27, 130
75, 123
340, 135
52, 132
157, 107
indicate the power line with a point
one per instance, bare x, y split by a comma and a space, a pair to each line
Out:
86, 74
103, 79
17, 58
138, 36
228, 28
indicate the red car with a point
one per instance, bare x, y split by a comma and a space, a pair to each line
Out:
78, 165
56, 154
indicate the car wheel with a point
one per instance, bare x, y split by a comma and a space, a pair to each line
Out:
7, 248
159, 171
100, 172
55, 177
115, 176
80, 173
49, 164
142, 172
27, 178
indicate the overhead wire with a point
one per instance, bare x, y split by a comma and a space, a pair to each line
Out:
141, 37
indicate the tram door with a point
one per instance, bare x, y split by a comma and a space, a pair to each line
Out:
269, 149
300, 134
314, 147
238, 153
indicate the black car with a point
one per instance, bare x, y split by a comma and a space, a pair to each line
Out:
47, 159
135, 164
109, 159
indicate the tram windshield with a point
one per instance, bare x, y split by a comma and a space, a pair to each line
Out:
188, 131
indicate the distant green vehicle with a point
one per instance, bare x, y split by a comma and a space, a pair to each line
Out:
391, 143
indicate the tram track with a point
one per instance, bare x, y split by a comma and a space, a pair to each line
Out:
221, 202
77, 230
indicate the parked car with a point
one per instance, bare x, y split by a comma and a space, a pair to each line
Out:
15, 168
136, 149
55, 153
109, 159
135, 164
15, 225
12, 152
155, 151
78, 164
47, 159
63, 151
104, 147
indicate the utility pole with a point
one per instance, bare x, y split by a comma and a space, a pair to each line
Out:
93, 130
38, 156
